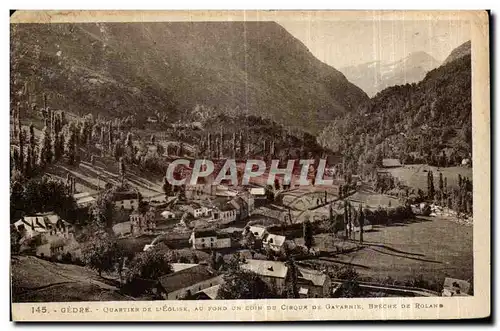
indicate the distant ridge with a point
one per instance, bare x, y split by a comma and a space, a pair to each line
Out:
460, 51
373, 77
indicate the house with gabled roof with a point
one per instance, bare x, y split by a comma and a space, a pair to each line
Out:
208, 293
273, 241
48, 235
274, 273
453, 287
313, 283
209, 239
42, 224
188, 281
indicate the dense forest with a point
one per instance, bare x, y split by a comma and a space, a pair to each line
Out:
426, 122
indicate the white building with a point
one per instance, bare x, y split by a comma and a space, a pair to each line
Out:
167, 214
258, 231
83, 199
53, 236
273, 242
453, 287
127, 204
199, 211
258, 192
42, 224
209, 240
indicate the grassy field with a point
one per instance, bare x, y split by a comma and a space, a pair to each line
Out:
37, 280
91, 178
415, 175
372, 200
434, 248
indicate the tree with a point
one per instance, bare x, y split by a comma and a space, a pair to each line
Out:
122, 170
361, 221
31, 137
346, 220
15, 237
45, 149
249, 239
219, 262
29, 162
129, 144
70, 146
292, 290
241, 284
103, 209
110, 136
101, 254
21, 137
46, 195
276, 184
151, 264
167, 187
441, 182
308, 234
160, 150
430, 185
269, 193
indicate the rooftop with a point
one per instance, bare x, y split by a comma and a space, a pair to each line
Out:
211, 292
181, 266
83, 200
81, 195
266, 268
257, 191
232, 230
456, 284
205, 233
257, 230
314, 276
186, 277
274, 239
391, 163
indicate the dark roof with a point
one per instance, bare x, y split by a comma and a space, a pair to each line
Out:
227, 207
186, 278
205, 233
125, 195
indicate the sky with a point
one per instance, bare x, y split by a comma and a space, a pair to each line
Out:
345, 43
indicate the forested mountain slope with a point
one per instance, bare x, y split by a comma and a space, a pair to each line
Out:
143, 69
414, 122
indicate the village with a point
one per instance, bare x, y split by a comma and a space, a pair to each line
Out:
214, 230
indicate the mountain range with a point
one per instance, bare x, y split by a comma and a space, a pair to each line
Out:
140, 69
426, 122
373, 77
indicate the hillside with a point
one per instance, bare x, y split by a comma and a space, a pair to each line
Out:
460, 51
375, 76
425, 122
142, 69
37, 280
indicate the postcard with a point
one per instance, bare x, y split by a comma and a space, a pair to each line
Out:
249, 165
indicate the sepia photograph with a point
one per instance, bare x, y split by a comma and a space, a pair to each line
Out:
293, 162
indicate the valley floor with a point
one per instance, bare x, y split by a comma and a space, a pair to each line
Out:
434, 248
